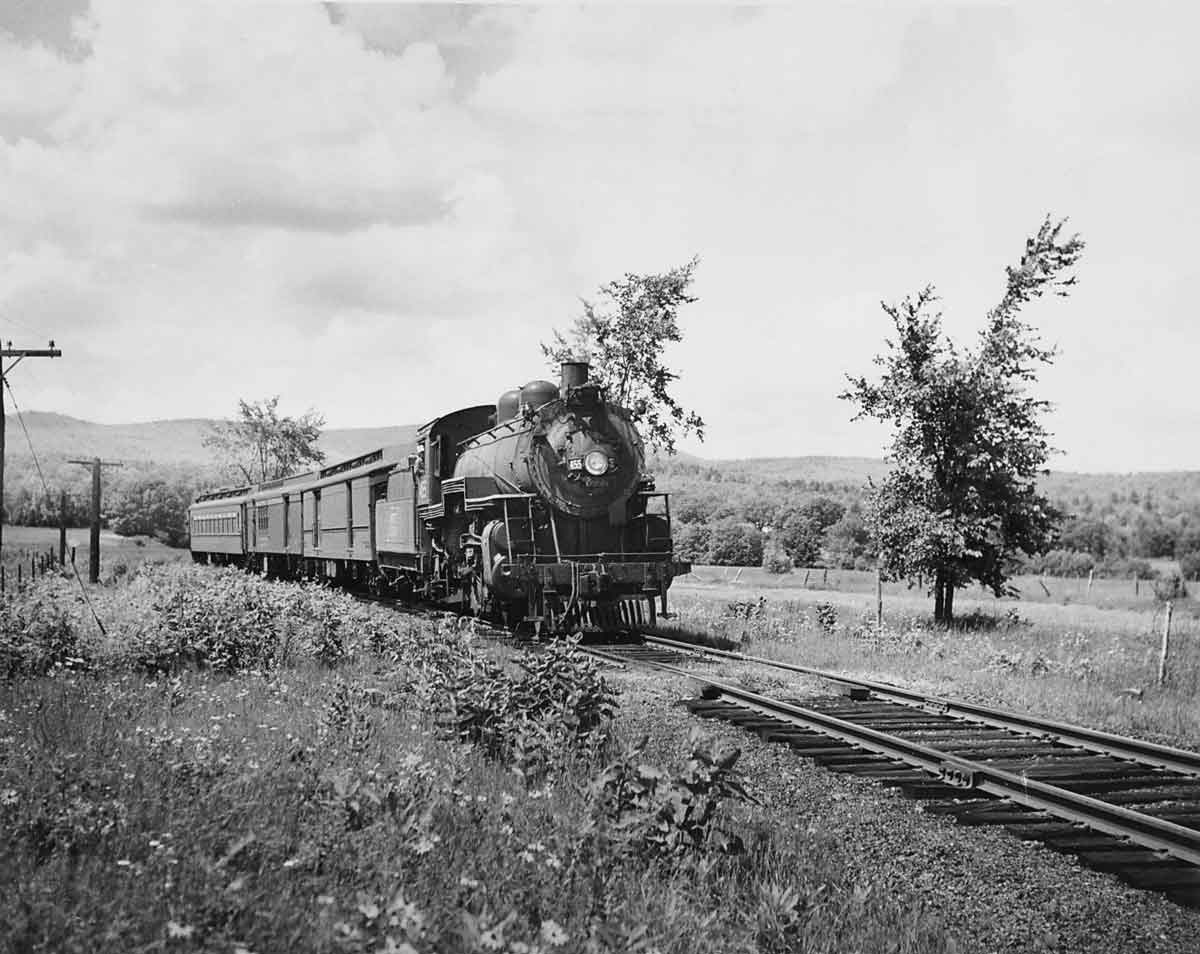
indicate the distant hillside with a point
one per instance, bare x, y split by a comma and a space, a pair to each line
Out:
720, 506
849, 472
179, 442
56, 436
855, 472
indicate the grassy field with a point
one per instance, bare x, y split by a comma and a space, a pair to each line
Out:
1086, 659
118, 555
244, 766
1034, 590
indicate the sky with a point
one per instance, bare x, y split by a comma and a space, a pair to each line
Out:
379, 211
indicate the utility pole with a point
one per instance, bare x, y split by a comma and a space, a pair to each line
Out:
62, 528
94, 551
8, 351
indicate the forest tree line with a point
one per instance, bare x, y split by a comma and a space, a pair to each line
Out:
138, 499
722, 513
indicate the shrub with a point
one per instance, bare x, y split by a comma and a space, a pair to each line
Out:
1126, 568
746, 609
776, 559
561, 699
38, 632
644, 811
1170, 588
827, 617
1189, 565
735, 543
1066, 563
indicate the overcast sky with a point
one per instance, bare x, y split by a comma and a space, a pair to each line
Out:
379, 211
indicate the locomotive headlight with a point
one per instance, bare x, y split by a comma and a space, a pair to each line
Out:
596, 463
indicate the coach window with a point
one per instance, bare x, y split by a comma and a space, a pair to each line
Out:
316, 519
435, 457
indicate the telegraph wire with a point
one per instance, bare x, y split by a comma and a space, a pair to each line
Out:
46, 490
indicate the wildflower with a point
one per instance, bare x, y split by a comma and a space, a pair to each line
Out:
404, 914
506, 799
177, 930
553, 934
291, 862
553, 862
425, 845
369, 910
9, 797
466, 882
526, 855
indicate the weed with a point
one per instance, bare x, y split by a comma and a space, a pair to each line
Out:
642, 809
827, 617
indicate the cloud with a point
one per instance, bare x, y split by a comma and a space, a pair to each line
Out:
381, 210
36, 85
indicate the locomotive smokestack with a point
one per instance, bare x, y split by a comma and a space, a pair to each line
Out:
574, 373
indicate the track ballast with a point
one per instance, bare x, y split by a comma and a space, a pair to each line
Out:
1118, 804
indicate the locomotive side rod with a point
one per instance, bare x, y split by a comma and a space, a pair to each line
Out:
1106, 743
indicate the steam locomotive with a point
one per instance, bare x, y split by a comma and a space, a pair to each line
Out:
534, 511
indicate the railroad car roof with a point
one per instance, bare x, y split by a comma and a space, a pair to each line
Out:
424, 429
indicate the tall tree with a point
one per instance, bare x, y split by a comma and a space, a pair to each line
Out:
261, 445
961, 502
624, 336
154, 506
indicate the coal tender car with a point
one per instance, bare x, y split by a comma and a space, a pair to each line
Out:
535, 511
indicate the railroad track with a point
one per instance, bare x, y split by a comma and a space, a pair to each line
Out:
1118, 804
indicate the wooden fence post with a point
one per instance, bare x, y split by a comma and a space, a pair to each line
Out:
1166, 647
878, 598
806, 572
1136, 583
1091, 573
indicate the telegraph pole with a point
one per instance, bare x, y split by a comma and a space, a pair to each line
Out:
8, 351
94, 550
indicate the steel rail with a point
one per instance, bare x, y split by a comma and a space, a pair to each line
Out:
1152, 833
1106, 743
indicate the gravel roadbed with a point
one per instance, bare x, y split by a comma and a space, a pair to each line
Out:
993, 892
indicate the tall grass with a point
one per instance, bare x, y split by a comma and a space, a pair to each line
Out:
1079, 664
181, 786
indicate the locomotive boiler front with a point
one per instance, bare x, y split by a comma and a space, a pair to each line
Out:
580, 455
555, 525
